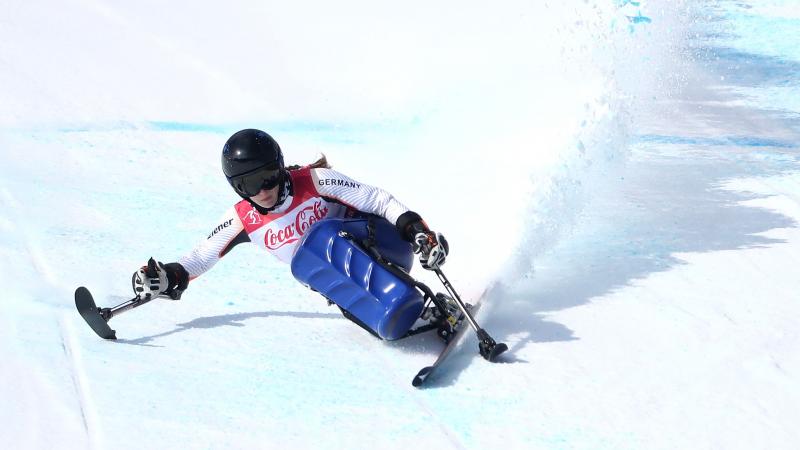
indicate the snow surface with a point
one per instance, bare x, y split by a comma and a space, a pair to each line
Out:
621, 178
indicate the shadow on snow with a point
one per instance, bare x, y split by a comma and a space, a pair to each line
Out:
232, 320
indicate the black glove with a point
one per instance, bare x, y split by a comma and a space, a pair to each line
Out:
157, 278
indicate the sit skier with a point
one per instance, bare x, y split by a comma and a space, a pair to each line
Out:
347, 240
279, 204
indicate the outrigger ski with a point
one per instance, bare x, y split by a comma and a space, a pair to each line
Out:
93, 315
98, 318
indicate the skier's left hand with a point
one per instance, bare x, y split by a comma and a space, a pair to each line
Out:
432, 248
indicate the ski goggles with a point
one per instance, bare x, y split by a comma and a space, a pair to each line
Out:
251, 183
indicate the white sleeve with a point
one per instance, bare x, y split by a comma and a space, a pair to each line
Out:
363, 197
222, 238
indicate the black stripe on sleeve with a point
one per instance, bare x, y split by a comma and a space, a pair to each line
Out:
240, 238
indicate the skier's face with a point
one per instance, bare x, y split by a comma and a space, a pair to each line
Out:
266, 198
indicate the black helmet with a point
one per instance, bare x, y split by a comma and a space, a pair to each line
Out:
251, 161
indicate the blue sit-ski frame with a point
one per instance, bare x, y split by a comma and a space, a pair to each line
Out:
330, 260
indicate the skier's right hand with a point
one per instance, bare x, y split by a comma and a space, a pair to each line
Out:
157, 278
432, 249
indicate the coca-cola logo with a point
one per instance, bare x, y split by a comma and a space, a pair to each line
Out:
278, 237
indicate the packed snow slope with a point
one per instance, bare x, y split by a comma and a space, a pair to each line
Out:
620, 178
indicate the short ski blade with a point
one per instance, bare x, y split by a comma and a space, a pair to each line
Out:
426, 372
91, 314
497, 351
